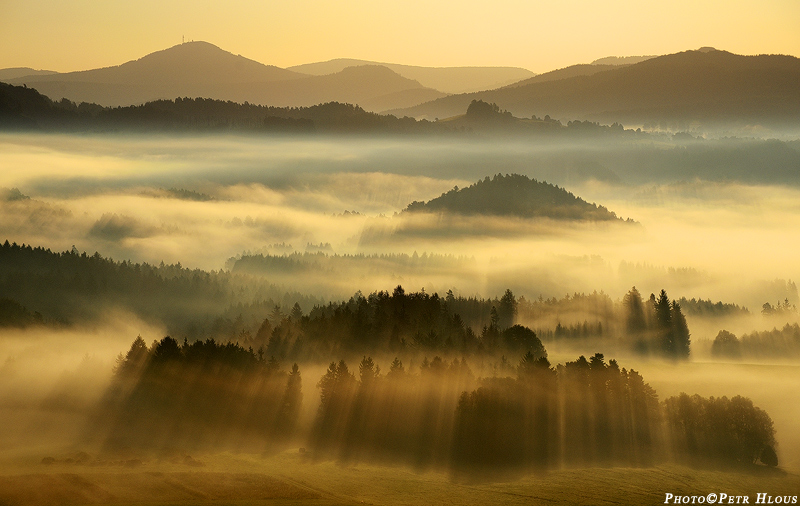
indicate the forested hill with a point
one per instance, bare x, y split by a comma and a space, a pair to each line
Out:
26, 108
514, 195
704, 87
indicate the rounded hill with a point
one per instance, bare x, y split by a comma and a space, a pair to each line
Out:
514, 195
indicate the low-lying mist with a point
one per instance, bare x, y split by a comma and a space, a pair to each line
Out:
277, 221
200, 201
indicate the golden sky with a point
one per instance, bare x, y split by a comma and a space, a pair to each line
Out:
67, 35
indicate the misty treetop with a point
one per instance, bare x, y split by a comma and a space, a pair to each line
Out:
14, 314
72, 287
580, 413
321, 262
776, 343
729, 430
199, 394
707, 308
76, 287
657, 326
435, 414
514, 195
403, 322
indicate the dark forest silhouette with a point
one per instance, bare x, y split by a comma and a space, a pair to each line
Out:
203, 394
25, 108
514, 195
582, 413
70, 287
657, 326
671, 91
775, 343
41, 286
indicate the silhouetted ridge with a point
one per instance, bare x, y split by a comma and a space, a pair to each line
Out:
192, 62
514, 195
200, 69
673, 90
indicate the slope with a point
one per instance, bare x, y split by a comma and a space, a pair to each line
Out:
707, 87
18, 72
445, 79
193, 69
513, 195
200, 69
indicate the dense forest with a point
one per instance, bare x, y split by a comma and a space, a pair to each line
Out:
438, 414
23, 107
239, 308
514, 195
320, 262
71, 288
41, 287
190, 395
775, 343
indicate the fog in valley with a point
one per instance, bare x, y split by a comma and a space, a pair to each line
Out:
206, 201
264, 253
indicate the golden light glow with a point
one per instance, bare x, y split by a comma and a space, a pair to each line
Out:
537, 35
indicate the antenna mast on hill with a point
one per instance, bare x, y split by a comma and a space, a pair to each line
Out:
183, 39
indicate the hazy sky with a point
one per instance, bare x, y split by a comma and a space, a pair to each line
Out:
538, 35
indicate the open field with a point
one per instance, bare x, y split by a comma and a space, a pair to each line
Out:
289, 478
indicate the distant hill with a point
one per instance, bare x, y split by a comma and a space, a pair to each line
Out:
677, 90
445, 79
190, 69
200, 69
514, 195
196, 63
371, 86
565, 73
17, 72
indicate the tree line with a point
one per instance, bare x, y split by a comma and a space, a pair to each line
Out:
775, 343
436, 414
230, 307
657, 326
197, 394
25, 108
71, 287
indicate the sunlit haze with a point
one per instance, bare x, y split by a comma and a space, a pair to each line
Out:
537, 35
383, 252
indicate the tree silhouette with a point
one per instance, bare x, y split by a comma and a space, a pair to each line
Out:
680, 332
663, 320
291, 403
720, 428
635, 322
507, 310
726, 345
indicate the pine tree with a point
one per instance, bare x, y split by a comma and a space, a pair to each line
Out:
680, 332
663, 317
291, 403
507, 310
635, 322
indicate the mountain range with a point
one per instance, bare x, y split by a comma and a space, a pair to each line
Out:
678, 91
201, 69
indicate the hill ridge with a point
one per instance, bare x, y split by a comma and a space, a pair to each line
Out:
201, 69
691, 86
514, 195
